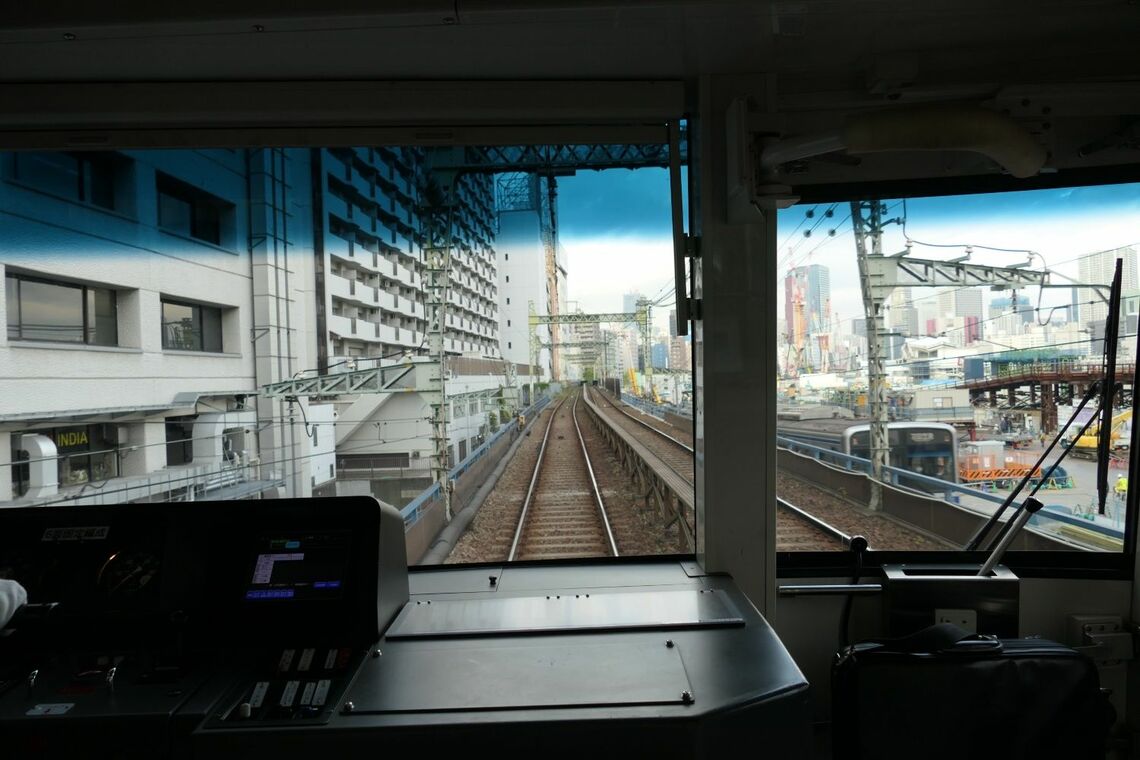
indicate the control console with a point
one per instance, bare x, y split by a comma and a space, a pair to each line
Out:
149, 621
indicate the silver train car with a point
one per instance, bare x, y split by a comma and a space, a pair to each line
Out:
925, 448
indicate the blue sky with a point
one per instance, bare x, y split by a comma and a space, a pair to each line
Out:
1060, 225
616, 231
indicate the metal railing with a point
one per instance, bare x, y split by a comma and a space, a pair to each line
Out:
657, 410
178, 483
417, 507
929, 486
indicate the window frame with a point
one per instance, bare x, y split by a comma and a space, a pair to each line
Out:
113, 162
1080, 565
197, 311
169, 186
86, 304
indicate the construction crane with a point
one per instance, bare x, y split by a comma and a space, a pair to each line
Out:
1086, 446
631, 375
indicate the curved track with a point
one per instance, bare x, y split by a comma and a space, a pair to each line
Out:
563, 515
796, 530
800, 531
673, 452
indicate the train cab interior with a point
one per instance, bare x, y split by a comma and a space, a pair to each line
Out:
724, 644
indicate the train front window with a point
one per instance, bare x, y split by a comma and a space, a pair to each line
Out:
971, 331
178, 322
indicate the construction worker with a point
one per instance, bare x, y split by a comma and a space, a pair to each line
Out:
1121, 488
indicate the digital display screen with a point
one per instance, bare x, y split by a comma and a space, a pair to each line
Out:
299, 566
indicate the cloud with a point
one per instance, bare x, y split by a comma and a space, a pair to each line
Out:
602, 269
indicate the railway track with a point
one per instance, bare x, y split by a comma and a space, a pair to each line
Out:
796, 530
681, 435
799, 531
563, 515
672, 451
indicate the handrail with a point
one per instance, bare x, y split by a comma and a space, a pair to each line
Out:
411, 511
858, 464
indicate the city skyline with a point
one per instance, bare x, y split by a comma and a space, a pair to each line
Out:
1058, 225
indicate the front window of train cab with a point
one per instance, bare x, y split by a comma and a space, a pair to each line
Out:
484, 338
942, 359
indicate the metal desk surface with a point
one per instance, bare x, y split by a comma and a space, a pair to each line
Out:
641, 656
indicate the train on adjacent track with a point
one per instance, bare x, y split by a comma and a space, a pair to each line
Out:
925, 448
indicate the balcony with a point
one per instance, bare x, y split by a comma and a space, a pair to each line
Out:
409, 307
337, 207
362, 185
342, 326
339, 247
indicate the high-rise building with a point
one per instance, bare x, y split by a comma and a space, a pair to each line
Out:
377, 237
373, 258
1098, 269
807, 306
680, 353
1015, 303
231, 270
531, 271
902, 315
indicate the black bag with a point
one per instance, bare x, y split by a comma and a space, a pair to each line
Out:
946, 693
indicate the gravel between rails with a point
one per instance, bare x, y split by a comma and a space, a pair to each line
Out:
638, 530
881, 531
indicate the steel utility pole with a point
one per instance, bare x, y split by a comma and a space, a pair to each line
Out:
878, 276
876, 359
645, 326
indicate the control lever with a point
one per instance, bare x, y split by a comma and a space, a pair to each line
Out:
1029, 508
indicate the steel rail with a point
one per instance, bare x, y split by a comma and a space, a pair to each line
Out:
659, 432
815, 522
533, 481
593, 480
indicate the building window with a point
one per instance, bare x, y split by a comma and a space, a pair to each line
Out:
191, 327
84, 177
60, 312
186, 210
508, 300
84, 454
179, 441
508, 278
508, 323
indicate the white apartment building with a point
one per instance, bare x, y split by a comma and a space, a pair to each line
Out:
527, 277
371, 285
148, 295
